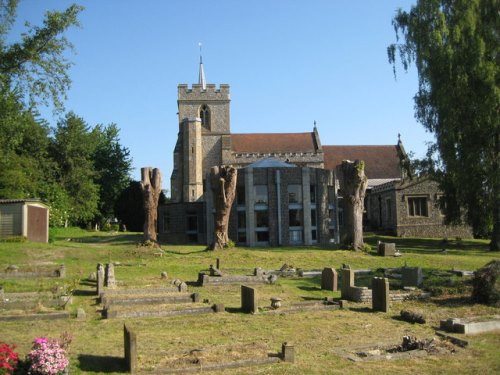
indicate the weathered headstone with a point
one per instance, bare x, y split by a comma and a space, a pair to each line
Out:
329, 279
347, 283
217, 263
287, 352
183, 287
386, 249
110, 280
100, 279
411, 276
80, 314
248, 299
380, 294
61, 271
259, 272
130, 347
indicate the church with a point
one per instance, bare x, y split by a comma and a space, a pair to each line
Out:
287, 189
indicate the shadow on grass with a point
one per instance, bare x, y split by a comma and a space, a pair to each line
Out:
361, 309
102, 364
84, 293
453, 301
309, 288
185, 252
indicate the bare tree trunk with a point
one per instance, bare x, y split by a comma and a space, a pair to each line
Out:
223, 180
151, 189
353, 189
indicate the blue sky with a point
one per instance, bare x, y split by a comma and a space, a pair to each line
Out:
288, 63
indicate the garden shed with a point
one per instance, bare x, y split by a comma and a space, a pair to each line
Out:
24, 217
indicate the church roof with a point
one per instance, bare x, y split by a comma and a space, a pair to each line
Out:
273, 142
380, 161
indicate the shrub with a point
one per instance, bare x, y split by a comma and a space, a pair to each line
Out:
47, 357
8, 359
486, 284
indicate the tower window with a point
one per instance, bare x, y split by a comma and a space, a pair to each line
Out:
205, 116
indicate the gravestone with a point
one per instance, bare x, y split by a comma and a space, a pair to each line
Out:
329, 279
387, 249
259, 272
183, 287
411, 276
248, 299
61, 271
287, 352
130, 347
110, 280
80, 314
100, 279
380, 294
347, 283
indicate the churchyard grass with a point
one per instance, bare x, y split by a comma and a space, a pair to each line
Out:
320, 337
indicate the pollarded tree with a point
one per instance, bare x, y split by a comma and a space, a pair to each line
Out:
454, 45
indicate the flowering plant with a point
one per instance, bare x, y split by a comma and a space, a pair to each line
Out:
8, 359
47, 357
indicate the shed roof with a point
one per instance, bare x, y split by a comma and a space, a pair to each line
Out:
381, 162
273, 142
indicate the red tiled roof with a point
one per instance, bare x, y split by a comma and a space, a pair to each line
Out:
273, 142
380, 161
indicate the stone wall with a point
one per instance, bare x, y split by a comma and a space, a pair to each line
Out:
172, 222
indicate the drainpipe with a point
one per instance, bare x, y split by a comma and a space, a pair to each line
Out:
278, 197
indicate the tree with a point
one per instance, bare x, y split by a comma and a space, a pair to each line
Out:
112, 164
454, 45
223, 180
73, 148
36, 66
353, 184
151, 190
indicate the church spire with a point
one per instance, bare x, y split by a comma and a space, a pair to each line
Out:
201, 76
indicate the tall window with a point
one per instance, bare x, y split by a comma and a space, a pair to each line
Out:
417, 207
294, 193
205, 116
240, 195
261, 194
312, 193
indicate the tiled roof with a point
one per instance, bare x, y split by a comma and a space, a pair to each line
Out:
380, 161
273, 142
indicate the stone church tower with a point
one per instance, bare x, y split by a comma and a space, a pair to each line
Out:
204, 131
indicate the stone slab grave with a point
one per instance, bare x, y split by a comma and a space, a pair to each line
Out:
13, 272
31, 300
132, 364
411, 347
31, 317
471, 326
354, 293
204, 279
249, 304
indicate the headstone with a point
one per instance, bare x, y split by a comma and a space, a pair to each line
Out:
80, 314
287, 352
183, 287
100, 279
202, 278
386, 249
218, 307
272, 279
163, 275
329, 279
130, 347
61, 271
411, 276
380, 294
248, 299
347, 283
259, 272
217, 263
177, 282
93, 276
110, 280
196, 297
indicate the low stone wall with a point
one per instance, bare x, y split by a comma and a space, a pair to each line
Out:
204, 279
113, 313
16, 274
29, 317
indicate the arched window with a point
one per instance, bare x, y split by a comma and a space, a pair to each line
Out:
205, 116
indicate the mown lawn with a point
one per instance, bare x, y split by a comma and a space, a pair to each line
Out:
318, 336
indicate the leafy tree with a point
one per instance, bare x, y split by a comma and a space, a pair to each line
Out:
36, 65
112, 164
73, 148
454, 45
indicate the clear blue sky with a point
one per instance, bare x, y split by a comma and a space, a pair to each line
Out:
288, 63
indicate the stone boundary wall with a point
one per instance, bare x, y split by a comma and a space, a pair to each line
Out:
204, 279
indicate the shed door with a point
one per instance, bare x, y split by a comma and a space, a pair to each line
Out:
37, 224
